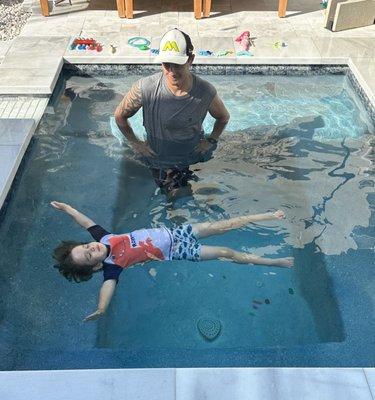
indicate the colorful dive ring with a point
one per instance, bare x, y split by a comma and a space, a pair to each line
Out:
139, 42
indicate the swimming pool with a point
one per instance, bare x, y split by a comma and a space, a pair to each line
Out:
301, 143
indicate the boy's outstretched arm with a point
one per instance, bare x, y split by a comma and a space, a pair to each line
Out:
80, 218
105, 296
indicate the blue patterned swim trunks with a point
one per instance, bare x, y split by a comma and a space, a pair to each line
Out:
185, 244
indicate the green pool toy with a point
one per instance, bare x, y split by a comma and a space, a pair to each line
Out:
139, 42
223, 53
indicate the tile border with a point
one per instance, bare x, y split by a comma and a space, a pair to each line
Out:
213, 69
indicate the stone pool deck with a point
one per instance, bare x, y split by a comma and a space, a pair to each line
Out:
29, 68
190, 384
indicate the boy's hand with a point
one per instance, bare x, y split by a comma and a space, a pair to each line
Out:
60, 206
279, 214
94, 316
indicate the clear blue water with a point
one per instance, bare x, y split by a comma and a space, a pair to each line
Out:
303, 144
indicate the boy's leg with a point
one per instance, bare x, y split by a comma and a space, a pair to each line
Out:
227, 254
217, 227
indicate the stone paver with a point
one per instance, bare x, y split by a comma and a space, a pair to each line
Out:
272, 383
32, 64
22, 107
190, 384
143, 384
15, 135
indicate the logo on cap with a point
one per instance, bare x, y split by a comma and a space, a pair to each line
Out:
171, 45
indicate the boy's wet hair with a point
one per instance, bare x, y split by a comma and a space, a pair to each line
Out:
66, 265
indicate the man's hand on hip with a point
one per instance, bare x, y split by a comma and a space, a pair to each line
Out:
204, 146
142, 148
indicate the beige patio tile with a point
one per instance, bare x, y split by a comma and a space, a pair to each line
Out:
365, 71
155, 30
48, 28
191, 29
4, 47
262, 29
14, 60
296, 49
40, 45
345, 47
27, 81
102, 25
130, 30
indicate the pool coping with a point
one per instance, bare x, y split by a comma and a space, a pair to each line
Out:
190, 384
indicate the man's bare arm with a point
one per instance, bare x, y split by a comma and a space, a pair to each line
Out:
129, 105
218, 110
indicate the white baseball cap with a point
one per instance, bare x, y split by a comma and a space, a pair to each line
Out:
172, 48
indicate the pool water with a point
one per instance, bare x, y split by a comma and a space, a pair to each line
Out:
302, 144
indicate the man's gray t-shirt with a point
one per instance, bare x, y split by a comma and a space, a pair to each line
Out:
174, 123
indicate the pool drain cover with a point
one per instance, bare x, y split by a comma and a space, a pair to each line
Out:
209, 328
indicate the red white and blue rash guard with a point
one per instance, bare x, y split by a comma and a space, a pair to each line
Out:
131, 248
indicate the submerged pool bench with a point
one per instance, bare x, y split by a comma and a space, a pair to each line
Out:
202, 8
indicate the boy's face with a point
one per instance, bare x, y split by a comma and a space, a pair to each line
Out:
89, 254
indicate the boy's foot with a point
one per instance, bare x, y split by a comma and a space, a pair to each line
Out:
287, 262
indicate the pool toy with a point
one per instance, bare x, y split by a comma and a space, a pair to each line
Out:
113, 49
244, 53
223, 53
244, 40
279, 44
205, 53
139, 42
85, 44
209, 328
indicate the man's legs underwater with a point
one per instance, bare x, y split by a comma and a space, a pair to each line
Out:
174, 182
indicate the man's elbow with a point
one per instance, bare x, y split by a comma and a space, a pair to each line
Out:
119, 117
224, 119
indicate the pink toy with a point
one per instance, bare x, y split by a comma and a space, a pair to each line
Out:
244, 39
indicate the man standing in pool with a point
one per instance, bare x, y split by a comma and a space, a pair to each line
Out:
175, 103
113, 253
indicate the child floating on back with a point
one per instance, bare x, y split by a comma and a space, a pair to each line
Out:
112, 253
